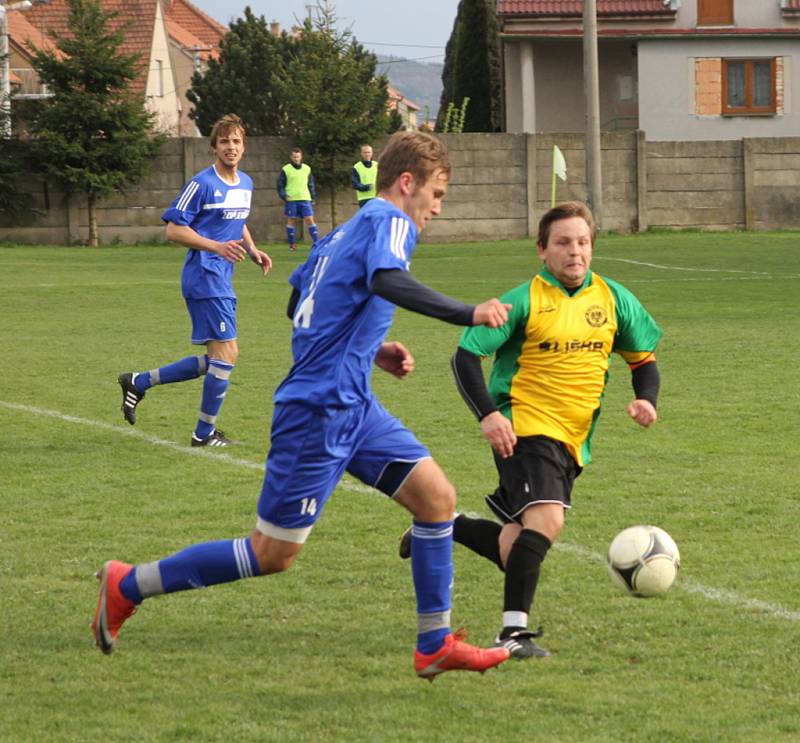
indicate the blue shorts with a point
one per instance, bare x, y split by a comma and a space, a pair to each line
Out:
312, 448
298, 209
212, 319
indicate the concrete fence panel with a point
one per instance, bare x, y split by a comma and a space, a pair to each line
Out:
501, 185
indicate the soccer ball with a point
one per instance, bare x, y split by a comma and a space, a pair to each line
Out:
643, 560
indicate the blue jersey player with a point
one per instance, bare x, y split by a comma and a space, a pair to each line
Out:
327, 420
209, 217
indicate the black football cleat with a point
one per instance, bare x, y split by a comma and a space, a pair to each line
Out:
520, 643
217, 438
131, 397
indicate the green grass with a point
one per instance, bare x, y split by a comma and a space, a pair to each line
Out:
323, 652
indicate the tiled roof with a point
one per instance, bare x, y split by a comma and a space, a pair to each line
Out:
197, 23
186, 24
395, 97
24, 33
574, 8
140, 15
185, 38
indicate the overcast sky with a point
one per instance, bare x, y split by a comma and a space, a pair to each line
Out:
416, 29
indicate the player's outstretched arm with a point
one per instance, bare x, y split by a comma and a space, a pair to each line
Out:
395, 358
493, 313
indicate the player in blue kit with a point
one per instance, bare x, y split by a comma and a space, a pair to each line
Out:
209, 217
327, 420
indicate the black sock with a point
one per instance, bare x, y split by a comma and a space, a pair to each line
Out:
522, 570
479, 535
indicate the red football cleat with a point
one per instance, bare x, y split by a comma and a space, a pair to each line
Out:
457, 655
112, 607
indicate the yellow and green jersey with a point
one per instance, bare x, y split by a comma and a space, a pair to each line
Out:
551, 358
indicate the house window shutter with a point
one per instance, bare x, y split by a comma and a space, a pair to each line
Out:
714, 12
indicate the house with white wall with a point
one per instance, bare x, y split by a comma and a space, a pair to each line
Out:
675, 69
172, 37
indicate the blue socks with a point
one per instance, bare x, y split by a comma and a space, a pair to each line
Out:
215, 386
198, 566
179, 371
432, 570
291, 234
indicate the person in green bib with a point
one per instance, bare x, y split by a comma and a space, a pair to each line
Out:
297, 189
364, 175
541, 405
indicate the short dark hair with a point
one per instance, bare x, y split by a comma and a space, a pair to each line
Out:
564, 211
224, 126
417, 153
295, 149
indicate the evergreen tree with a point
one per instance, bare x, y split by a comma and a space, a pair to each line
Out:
94, 134
472, 67
243, 79
333, 100
396, 123
12, 162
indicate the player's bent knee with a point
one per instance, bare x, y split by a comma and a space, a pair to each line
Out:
273, 555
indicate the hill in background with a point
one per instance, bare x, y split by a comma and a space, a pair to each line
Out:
421, 82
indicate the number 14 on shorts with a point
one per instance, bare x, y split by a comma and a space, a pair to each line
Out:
308, 506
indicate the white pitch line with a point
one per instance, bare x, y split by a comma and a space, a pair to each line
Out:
679, 268
712, 594
718, 595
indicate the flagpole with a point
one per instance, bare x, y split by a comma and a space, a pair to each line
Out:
553, 187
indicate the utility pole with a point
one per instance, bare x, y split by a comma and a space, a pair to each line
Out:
591, 89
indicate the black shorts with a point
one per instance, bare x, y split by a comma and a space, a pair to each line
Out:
540, 470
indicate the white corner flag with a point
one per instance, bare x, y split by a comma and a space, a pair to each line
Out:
559, 163
560, 170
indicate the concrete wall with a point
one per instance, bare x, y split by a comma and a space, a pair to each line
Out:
501, 186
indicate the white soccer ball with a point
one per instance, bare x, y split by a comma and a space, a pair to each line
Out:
643, 560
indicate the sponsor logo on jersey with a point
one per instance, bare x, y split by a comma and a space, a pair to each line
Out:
596, 316
235, 214
570, 346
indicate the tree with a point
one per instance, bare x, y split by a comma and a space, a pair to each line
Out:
396, 123
333, 100
243, 79
94, 135
472, 67
12, 162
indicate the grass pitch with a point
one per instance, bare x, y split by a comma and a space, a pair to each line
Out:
323, 652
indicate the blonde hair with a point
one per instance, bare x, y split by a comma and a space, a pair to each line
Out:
224, 126
417, 153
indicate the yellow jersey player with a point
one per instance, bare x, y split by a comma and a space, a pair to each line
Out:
542, 402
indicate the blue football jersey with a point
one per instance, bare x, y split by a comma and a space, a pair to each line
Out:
339, 324
217, 210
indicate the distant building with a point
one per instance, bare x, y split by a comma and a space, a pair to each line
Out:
407, 109
676, 69
173, 37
